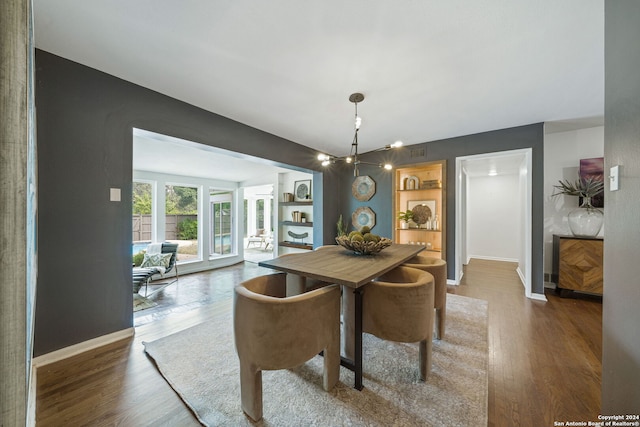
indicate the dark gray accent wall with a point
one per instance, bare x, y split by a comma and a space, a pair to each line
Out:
84, 129
621, 300
530, 136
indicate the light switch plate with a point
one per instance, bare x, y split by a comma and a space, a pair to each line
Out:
614, 178
114, 194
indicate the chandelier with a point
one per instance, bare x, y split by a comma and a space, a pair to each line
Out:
352, 158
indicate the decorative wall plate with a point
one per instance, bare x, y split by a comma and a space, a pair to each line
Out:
363, 188
302, 190
423, 210
363, 216
421, 214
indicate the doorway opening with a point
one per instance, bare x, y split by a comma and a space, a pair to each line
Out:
258, 223
493, 211
193, 194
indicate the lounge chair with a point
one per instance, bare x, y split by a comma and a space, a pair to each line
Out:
156, 265
256, 238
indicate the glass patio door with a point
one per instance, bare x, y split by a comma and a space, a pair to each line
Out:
221, 241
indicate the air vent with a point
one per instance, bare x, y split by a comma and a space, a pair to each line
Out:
418, 152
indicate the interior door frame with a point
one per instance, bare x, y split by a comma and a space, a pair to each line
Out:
461, 212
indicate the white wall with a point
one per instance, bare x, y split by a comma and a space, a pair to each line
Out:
562, 154
493, 223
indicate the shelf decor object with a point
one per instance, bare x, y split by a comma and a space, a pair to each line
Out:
423, 210
405, 219
363, 188
302, 190
431, 184
363, 217
411, 183
352, 158
300, 236
287, 197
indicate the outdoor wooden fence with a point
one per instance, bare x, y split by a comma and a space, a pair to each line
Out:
141, 226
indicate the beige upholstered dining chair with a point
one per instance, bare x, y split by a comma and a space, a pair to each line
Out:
273, 332
438, 268
397, 306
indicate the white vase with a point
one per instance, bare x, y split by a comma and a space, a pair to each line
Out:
585, 221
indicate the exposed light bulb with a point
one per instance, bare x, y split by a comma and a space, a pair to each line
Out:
326, 162
348, 159
396, 144
358, 122
323, 157
388, 166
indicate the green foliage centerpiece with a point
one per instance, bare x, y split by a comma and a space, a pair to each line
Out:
363, 242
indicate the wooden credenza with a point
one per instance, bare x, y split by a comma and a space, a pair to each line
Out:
577, 264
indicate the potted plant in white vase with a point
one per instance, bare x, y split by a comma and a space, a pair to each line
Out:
586, 220
405, 217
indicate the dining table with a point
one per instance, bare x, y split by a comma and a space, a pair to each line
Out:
335, 264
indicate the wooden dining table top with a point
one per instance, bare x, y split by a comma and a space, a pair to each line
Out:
336, 264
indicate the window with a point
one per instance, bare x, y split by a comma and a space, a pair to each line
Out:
260, 214
142, 201
181, 223
221, 239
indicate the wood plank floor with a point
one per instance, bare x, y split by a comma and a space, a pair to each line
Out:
544, 357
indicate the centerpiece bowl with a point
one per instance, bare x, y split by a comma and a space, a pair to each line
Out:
363, 247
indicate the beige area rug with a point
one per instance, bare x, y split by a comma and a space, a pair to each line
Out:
140, 302
200, 363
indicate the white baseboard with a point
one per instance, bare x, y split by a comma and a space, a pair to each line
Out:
73, 350
491, 258
521, 276
539, 297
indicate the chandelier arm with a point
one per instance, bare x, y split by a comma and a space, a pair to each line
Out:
370, 163
355, 98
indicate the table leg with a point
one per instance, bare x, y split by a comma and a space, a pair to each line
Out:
295, 284
352, 324
358, 339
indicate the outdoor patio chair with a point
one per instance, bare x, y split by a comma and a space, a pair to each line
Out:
256, 238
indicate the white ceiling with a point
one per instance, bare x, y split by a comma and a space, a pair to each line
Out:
154, 152
503, 163
429, 69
